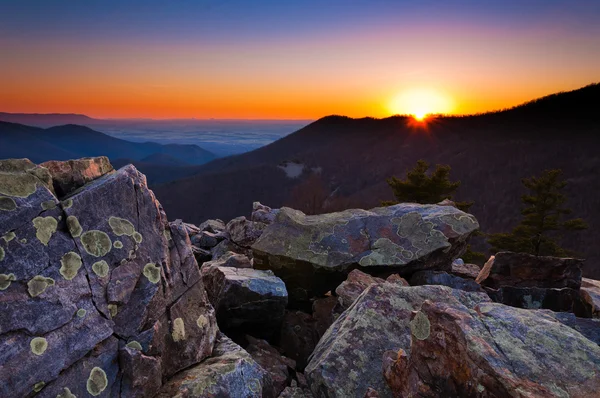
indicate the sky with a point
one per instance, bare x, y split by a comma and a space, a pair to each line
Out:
288, 59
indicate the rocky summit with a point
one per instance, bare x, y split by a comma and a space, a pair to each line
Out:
102, 295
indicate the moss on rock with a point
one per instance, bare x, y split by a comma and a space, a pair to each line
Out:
96, 243
38, 345
137, 237
118, 244
70, 264
178, 333
5, 280
45, 227
152, 272
74, 226
9, 236
20, 185
121, 226
66, 393
81, 312
100, 268
38, 285
49, 204
7, 204
420, 326
97, 381
1, 254
135, 345
38, 386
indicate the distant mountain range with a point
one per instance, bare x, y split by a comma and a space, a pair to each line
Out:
73, 141
346, 162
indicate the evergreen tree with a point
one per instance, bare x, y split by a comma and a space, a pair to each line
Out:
543, 220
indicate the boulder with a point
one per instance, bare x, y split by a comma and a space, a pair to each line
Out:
263, 214
526, 270
272, 361
69, 175
206, 239
348, 358
213, 226
246, 297
470, 271
244, 232
445, 279
356, 282
313, 254
230, 259
492, 350
560, 300
299, 337
395, 278
590, 294
229, 372
81, 278
201, 255
228, 246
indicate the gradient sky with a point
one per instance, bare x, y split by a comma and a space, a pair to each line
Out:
291, 59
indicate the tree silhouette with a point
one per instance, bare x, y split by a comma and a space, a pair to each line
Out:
543, 221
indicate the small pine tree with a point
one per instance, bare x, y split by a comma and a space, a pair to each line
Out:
543, 219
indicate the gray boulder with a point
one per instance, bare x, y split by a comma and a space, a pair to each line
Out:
244, 232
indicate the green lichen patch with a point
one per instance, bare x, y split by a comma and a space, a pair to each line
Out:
137, 237
67, 204
9, 236
152, 272
23, 241
118, 244
100, 268
69, 265
66, 393
38, 285
48, 205
45, 227
202, 321
178, 333
97, 381
19, 185
81, 312
96, 243
74, 226
1, 254
38, 345
135, 345
167, 234
121, 226
113, 309
7, 204
5, 280
420, 326
38, 386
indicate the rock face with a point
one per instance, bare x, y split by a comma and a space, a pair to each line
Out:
313, 254
67, 176
353, 286
348, 358
492, 350
85, 281
230, 372
526, 270
245, 296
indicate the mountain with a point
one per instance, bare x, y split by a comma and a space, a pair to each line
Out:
46, 119
346, 161
74, 141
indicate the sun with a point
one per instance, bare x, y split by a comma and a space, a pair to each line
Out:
420, 102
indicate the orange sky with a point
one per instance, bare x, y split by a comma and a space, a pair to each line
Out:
302, 71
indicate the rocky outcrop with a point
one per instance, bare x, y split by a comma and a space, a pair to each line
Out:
492, 350
85, 281
526, 270
313, 254
443, 278
348, 358
246, 297
67, 176
356, 282
230, 372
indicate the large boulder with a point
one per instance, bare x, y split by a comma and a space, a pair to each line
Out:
69, 175
313, 254
492, 350
348, 358
229, 372
526, 270
246, 297
82, 278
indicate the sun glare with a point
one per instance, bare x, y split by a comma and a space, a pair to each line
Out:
419, 103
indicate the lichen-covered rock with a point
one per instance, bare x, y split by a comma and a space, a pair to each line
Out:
348, 359
590, 294
272, 361
443, 278
262, 213
313, 254
590, 328
230, 259
244, 232
353, 286
102, 263
492, 350
229, 372
69, 175
526, 270
244, 296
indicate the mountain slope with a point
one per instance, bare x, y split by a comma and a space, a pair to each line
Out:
489, 153
74, 141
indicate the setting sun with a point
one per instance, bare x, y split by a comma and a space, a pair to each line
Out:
420, 102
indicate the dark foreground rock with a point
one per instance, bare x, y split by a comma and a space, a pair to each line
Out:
444, 279
82, 278
299, 337
526, 270
492, 350
348, 358
278, 366
313, 254
230, 372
